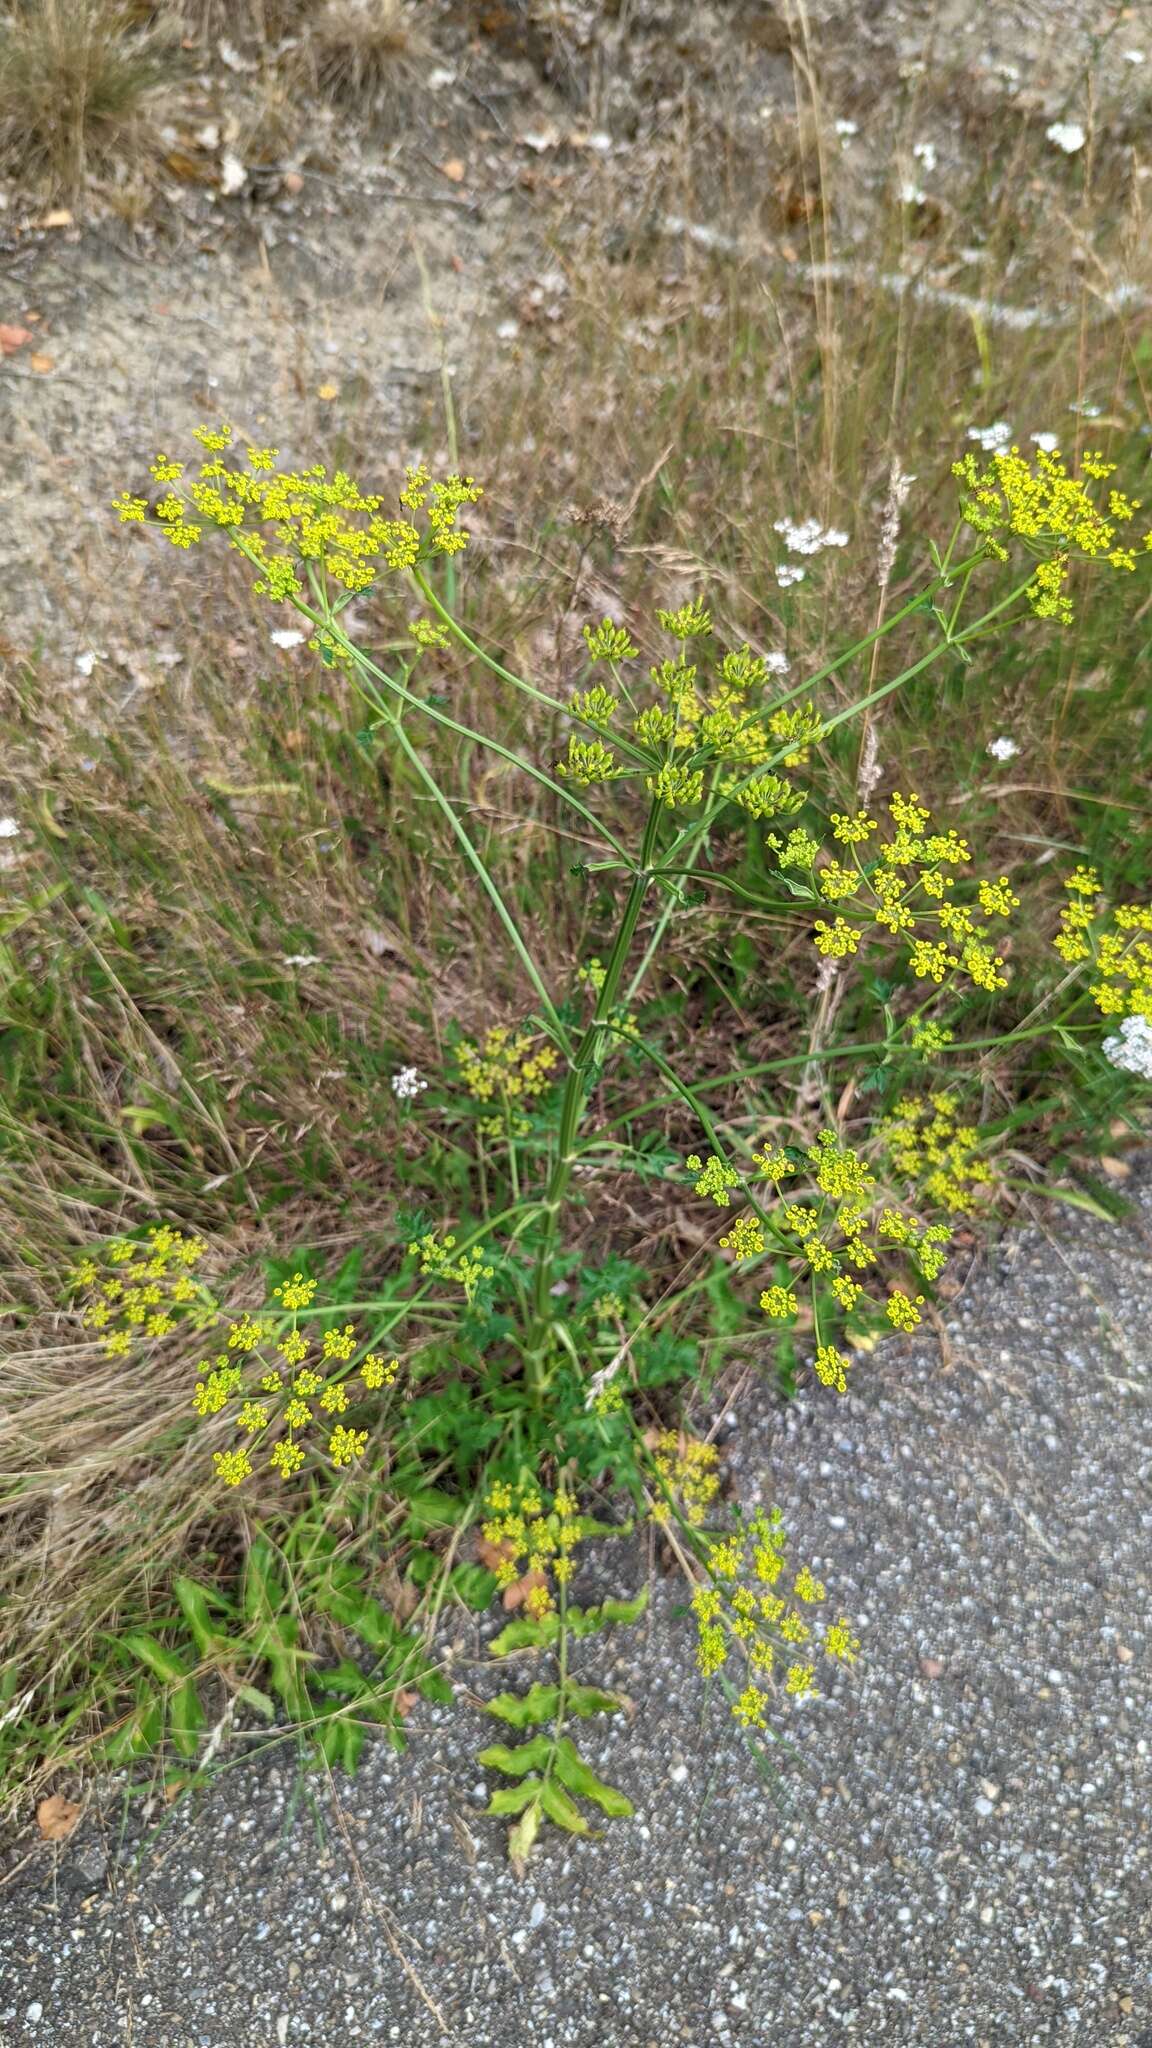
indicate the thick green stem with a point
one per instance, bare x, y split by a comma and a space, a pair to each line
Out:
575, 1092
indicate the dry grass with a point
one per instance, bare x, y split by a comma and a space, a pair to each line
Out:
367, 52
76, 78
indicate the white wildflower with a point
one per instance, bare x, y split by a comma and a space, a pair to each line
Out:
407, 1084
788, 573
1067, 135
846, 130
1133, 56
1086, 410
9, 827
1048, 442
1132, 1049
994, 439
912, 194
286, 636
777, 664
807, 536
1003, 749
925, 152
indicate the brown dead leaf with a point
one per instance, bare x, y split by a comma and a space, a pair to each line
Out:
517, 1593
56, 1817
293, 183
404, 1702
58, 218
44, 366
12, 338
1116, 1169
454, 169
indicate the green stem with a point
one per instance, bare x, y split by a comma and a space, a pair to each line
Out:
572, 1103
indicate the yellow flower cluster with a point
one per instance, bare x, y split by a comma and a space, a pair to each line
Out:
1122, 953
1052, 512
692, 723
282, 1389
318, 523
506, 1067
905, 888
927, 1145
831, 1232
715, 1180
748, 1606
686, 1469
532, 1539
137, 1289
438, 1256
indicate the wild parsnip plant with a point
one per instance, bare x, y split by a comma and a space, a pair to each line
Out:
489, 1362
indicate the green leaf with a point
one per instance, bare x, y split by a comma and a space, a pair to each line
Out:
575, 1773
194, 1606
525, 1710
562, 1810
526, 1634
513, 1798
432, 1508
530, 1756
257, 1700
586, 1621
432, 1685
583, 1700
186, 1718
475, 1585
162, 1663
264, 1591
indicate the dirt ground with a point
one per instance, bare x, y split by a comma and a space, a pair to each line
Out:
325, 295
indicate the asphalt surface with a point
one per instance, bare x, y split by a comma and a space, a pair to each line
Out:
959, 1847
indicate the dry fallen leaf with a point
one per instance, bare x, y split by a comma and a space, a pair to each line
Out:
56, 1817
58, 218
12, 338
328, 391
1116, 1169
293, 183
454, 169
42, 365
931, 1667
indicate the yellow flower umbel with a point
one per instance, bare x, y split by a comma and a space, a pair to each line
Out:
905, 885
295, 525
1121, 953
532, 1540
928, 1145
755, 1607
284, 1387
508, 1068
438, 1256
686, 1470
136, 1290
1052, 513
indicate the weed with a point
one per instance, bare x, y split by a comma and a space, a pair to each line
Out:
75, 79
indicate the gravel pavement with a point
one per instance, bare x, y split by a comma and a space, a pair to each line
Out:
958, 1847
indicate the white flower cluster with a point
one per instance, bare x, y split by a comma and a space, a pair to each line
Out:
407, 1084
808, 536
777, 664
1003, 749
788, 572
1067, 135
994, 439
1132, 1049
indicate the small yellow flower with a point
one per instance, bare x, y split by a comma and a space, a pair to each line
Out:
346, 1444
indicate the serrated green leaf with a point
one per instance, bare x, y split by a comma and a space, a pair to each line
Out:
513, 1798
584, 1700
562, 1810
530, 1756
475, 1585
576, 1774
526, 1634
162, 1663
432, 1685
525, 1710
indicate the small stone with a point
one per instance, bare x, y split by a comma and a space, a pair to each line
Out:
989, 1790
987, 1915
1123, 1653
678, 1773
931, 1667
35, 2011
338, 1901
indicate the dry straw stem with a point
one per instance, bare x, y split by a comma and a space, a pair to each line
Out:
76, 77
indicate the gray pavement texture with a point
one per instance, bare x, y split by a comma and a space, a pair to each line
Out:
957, 1851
